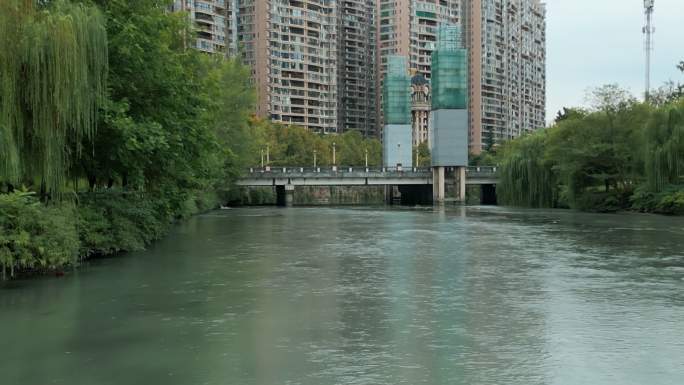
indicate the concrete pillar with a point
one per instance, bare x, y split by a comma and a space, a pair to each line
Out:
461, 172
438, 185
389, 194
289, 195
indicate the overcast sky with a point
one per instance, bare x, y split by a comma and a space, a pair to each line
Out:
595, 42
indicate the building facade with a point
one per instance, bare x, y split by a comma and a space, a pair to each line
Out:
301, 64
507, 48
312, 61
420, 108
356, 67
210, 20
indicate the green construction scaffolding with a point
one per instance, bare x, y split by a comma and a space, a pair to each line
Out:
449, 70
396, 92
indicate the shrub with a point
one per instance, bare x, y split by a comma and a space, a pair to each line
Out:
35, 236
602, 202
671, 203
111, 222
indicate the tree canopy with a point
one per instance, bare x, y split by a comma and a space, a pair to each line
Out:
53, 72
105, 101
605, 159
295, 146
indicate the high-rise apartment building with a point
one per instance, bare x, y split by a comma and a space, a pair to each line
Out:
312, 61
298, 78
356, 67
409, 28
209, 18
507, 47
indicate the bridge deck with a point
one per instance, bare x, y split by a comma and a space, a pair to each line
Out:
355, 176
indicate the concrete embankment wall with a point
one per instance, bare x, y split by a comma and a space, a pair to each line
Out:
314, 195
339, 195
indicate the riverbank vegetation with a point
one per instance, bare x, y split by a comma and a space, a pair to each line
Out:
111, 128
620, 155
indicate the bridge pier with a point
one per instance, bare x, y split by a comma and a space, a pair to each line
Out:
461, 183
389, 194
438, 185
454, 179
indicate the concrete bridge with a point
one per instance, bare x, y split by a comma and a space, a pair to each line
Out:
414, 184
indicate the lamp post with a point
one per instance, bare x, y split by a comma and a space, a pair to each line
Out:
366, 158
334, 159
399, 151
315, 158
417, 165
262, 158
268, 154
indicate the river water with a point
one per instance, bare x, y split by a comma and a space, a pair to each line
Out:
327, 296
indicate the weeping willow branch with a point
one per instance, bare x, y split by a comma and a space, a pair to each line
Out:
52, 81
664, 148
525, 178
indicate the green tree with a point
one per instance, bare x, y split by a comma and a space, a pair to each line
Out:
52, 81
664, 150
527, 176
485, 158
569, 113
424, 156
609, 98
231, 101
295, 146
177, 120
621, 154
353, 147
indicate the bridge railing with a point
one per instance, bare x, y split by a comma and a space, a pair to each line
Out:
482, 171
338, 169
473, 171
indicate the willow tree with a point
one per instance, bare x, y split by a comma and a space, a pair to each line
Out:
53, 68
526, 177
664, 150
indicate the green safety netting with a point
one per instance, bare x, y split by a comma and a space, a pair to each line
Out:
396, 92
449, 70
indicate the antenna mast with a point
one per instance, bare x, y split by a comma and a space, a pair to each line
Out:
648, 30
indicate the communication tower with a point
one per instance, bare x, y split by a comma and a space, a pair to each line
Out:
648, 31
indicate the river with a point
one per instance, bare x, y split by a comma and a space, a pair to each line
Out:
327, 296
